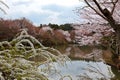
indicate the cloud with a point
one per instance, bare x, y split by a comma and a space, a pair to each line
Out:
42, 11
46, 2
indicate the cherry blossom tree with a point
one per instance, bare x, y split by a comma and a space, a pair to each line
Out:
104, 11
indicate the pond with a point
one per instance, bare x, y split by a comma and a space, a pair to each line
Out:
91, 67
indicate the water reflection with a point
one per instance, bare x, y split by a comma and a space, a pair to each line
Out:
76, 68
76, 52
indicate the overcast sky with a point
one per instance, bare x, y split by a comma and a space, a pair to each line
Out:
42, 11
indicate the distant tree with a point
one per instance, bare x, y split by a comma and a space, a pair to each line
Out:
9, 28
54, 26
40, 26
109, 11
66, 27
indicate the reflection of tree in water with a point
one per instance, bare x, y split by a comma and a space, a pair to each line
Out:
86, 49
61, 48
85, 52
116, 72
76, 52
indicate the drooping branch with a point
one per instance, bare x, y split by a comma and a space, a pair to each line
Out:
3, 10
5, 6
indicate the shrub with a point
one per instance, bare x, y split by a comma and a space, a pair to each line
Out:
18, 58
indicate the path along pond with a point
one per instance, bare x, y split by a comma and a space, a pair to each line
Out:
86, 64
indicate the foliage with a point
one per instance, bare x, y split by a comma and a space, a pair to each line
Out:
8, 26
83, 34
107, 12
108, 41
13, 27
18, 58
91, 34
46, 35
54, 26
98, 11
49, 36
65, 27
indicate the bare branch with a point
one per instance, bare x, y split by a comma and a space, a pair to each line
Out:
99, 7
95, 10
114, 5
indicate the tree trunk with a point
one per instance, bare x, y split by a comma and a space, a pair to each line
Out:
116, 55
116, 27
118, 41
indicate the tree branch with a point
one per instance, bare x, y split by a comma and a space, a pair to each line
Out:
99, 7
95, 10
114, 5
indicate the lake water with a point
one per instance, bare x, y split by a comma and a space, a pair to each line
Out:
91, 68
